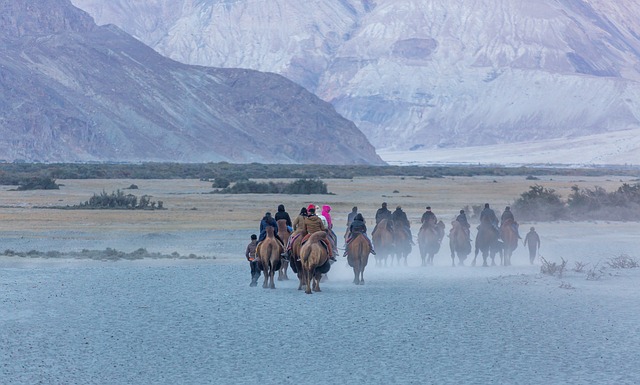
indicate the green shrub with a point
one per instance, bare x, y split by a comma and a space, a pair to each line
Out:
540, 204
300, 186
38, 183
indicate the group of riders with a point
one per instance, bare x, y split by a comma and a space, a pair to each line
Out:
312, 219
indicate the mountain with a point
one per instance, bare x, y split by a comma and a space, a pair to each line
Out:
421, 74
72, 91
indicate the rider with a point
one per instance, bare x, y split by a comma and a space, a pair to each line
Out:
266, 221
281, 214
352, 215
429, 218
299, 221
506, 215
399, 217
313, 224
357, 227
382, 213
462, 219
326, 209
489, 217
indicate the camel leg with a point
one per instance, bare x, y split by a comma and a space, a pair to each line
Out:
307, 279
273, 276
316, 282
265, 283
362, 275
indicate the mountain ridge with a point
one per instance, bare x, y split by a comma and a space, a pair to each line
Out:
73, 91
431, 74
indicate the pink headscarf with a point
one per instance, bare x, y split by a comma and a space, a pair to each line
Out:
325, 213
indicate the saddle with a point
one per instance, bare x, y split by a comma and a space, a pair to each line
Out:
323, 242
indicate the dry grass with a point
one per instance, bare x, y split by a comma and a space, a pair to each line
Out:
190, 207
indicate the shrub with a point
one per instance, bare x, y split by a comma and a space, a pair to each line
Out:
539, 204
622, 262
552, 268
300, 186
38, 183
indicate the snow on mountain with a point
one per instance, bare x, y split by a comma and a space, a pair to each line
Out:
421, 74
611, 148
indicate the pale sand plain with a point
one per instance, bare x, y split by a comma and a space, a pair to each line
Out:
219, 225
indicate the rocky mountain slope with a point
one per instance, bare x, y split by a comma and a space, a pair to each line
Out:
73, 91
421, 73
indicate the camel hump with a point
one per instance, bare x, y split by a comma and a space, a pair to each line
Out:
317, 236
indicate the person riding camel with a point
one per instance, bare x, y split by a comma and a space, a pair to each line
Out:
282, 214
352, 215
357, 226
508, 215
488, 216
429, 219
350, 218
313, 224
399, 217
298, 229
299, 221
326, 209
382, 213
462, 219
267, 221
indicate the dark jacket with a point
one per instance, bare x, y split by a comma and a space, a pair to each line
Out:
357, 226
382, 213
462, 218
429, 217
400, 216
488, 216
507, 214
263, 227
284, 215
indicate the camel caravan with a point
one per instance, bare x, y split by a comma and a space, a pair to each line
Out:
309, 246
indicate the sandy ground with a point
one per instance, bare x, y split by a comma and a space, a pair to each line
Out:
174, 321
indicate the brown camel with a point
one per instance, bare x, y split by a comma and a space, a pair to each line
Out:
429, 240
509, 238
459, 243
283, 233
358, 251
382, 238
294, 259
314, 259
269, 255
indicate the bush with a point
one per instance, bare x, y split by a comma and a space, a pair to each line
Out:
300, 186
540, 204
552, 268
39, 183
118, 200
622, 262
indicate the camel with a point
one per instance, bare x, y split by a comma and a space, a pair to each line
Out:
294, 259
459, 243
382, 238
429, 240
358, 251
269, 254
487, 241
283, 233
510, 240
314, 259
402, 243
